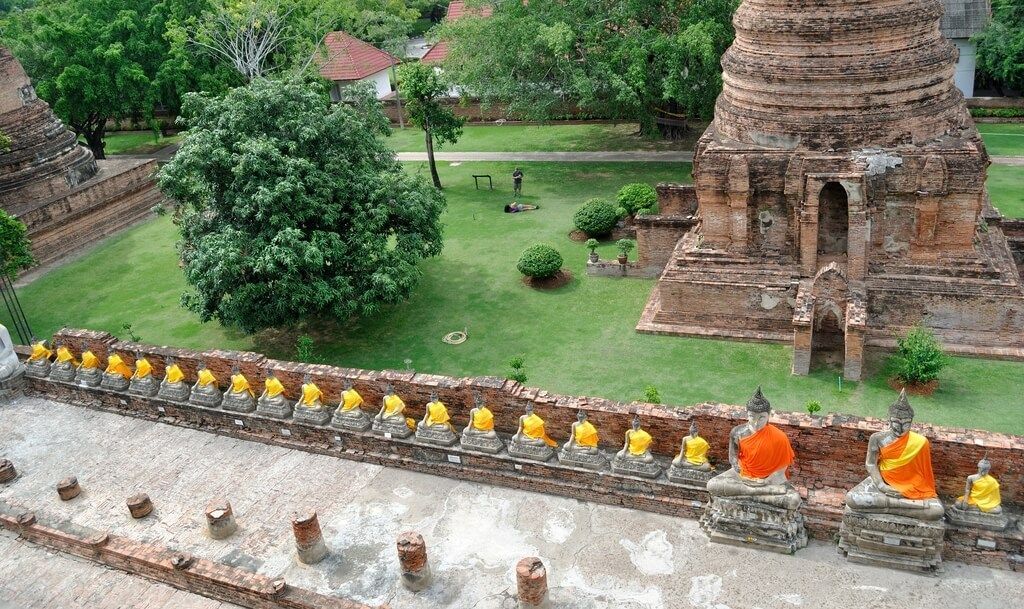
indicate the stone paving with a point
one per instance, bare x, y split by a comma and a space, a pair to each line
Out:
597, 556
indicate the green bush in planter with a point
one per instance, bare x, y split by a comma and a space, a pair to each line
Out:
636, 197
596, 217
540, 261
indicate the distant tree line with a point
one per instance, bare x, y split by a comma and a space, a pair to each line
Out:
1001, 46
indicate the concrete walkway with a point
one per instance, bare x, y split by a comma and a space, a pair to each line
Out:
623, 156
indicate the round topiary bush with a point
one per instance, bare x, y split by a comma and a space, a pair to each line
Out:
540, 261
637, 197
596, 217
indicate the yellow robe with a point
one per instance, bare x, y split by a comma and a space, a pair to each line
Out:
239, 384
90, 361
437, 415
173, 374
311, 395
206, 378
697, 451
586, 434
639, 442
64, 356
39, 351
984, 494
394, 406
483, 419
274, 387
116, 365
143, 368
350, 400
533, 427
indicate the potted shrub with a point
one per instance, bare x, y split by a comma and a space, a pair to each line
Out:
625, 246
592, 246
596, 217
540, 261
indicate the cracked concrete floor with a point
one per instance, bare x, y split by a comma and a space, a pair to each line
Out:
597, 556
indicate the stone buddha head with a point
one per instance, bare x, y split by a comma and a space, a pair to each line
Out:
478, 402
581, 416
529, 408
270, 372
306, 379
235, 369
433, 396
169, 361
636, 422
901, 415
347, 386
759, 410
984, 466
694, 432
389, 390
202, 365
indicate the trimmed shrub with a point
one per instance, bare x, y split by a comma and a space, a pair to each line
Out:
919, 357
596, 217
636, 197
540, 261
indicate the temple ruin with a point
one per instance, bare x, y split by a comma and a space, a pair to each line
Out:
65, 197
839, 194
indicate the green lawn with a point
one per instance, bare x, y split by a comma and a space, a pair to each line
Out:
1003, 139
1006, 189
579, 339
544, 138
137, 142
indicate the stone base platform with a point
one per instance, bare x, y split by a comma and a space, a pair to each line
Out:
313, 416
438, 436
635, 467
748, 522
395, 427
207, 398
690, 477
146, 387
13, 385
175, 392
533, 452
896, 542
238, 402
114, 382
353, 420
88, 377
483, 444
275, 409
38, 369
977, 519
575, 458
63, 372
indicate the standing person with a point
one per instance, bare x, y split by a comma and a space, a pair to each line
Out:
517, 182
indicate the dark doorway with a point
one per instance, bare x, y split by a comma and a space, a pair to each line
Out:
828, 344
833, 224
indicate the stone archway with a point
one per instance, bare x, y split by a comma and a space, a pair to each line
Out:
829, 294
833, 224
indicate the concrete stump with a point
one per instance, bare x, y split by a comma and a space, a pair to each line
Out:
68, 488
7, 471
139, 505
309, 540
412, 558
220, 519
531, 582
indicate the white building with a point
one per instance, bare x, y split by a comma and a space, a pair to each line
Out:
962, 19
350, 60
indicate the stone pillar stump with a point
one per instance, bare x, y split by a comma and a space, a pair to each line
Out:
139, 505
7, 471
309, 539
68, 488
220, 519
531, 582
412, 558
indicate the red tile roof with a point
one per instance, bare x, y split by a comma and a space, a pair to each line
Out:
349, 58
456, 10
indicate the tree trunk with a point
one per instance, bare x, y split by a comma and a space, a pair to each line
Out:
430, 158
94, 139
398, 100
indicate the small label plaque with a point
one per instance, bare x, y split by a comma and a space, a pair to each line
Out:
160, 409
387, 435
239, 422
517, 466
891, 541
986, 544
458, 459
286, 432
337, 439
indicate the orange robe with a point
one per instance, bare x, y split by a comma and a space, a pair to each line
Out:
906, 465
765, 452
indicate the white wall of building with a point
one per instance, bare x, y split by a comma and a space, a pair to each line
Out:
965, 66
381, 84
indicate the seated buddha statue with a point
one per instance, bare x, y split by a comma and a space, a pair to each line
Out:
981, 505
11, 369
239, 397
116, 376
436, 426
272, 402
38, 364
173, 386
391, 419
205, 392
65, 366
760, 455
88, 373
531, 441
635, 458
349, 414
310, 407
691, 465
581, 447
900, 480
479, 433
142, 382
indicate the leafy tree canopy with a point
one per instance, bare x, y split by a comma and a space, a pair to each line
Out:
292, 208
15, 253
1001, 45
423, 87
633, 59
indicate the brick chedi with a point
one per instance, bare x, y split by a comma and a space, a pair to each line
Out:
65, 197
840, 193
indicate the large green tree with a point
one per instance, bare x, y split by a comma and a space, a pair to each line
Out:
1001, 45
423, 88
15, 252
626, 59
291, 208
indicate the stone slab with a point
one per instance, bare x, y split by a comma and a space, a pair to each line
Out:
743, 521
896, 542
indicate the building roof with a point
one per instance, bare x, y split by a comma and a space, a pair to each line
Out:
964, 18
456, 10
349, 58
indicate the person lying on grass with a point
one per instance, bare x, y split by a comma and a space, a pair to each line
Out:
514, 207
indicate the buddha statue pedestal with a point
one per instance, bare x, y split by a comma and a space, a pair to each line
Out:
530, 450
238, 401
629, 466
436, 434
39, 368
481, 442
312, 415
12, 378
769, 521
63, 372
89, 377
276, 407
679, 473
579, 457
396, 426
146, 386
351, 420
977, 519
113, 381
173, 392
888, 540
207, 396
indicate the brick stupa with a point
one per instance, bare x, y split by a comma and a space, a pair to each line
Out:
839, 195
65, 197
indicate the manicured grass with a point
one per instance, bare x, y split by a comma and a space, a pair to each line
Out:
1006, 189
579, 339
1003, 139
137, 142
545, 138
